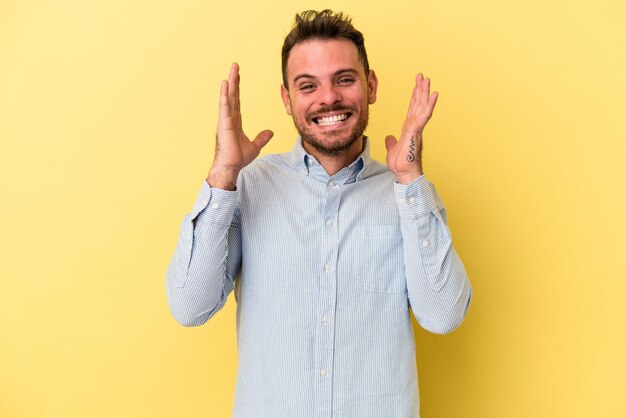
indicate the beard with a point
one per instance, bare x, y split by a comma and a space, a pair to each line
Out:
340, 141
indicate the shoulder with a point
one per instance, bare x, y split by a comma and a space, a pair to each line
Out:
375, 170
266, 166
268, 162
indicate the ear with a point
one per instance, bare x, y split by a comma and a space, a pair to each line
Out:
372, 84
284, 93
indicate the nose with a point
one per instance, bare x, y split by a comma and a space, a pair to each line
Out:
329, 94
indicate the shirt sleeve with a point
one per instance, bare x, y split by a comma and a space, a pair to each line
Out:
438, 288
207, 258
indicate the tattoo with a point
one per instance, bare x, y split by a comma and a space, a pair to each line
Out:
411, 155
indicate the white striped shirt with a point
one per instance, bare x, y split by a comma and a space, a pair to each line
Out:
326, 270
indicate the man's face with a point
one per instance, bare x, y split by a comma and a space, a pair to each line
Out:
328, 94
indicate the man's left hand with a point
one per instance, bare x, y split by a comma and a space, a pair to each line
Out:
404, 157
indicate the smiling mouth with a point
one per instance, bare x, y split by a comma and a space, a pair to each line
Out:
331, 120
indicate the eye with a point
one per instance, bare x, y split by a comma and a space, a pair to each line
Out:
306, 87
346, 81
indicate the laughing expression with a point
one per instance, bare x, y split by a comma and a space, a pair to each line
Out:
328, 95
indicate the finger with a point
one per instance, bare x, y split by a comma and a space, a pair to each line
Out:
432, 101
262, 139
419, 85
427, 113
233, 84
417, 94
411, 108
430, 106
390, 142
224, 108
425, 93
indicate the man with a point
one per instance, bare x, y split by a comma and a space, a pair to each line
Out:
327, 250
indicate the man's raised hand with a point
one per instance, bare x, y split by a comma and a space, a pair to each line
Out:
404, 157
233, 149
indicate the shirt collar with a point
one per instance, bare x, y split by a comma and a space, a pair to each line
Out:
308, 165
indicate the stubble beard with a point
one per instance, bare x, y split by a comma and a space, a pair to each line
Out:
340, 143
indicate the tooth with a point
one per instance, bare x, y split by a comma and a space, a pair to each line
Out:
330, 120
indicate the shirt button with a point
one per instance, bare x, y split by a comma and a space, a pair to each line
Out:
322, 372
327, 266
331, 184
412, 199
425, 243
401, 201
325, 320
329, 222
215, 205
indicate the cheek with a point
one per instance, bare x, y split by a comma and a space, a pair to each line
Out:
301, 110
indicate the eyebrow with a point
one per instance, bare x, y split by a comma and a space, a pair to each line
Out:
335, 74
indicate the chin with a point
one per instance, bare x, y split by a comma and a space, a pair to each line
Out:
332, 147
332, 142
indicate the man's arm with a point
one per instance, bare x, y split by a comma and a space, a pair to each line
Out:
208, 254
207, 258
438, 287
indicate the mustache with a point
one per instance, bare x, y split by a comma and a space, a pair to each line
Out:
328, 109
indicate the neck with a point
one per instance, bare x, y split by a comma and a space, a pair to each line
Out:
334, 163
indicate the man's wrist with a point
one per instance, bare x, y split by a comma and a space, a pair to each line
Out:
223, 178
408, 178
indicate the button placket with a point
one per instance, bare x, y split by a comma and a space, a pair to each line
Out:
327, 294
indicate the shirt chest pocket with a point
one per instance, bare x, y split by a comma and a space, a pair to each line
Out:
380, 261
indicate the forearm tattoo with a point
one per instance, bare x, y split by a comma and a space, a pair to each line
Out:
411, 155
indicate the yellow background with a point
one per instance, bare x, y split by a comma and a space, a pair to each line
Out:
107, 116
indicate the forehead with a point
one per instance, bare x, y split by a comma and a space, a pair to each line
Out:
321, 58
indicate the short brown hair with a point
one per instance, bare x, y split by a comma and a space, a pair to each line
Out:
324, 25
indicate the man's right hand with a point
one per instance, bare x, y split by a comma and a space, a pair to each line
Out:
233, 149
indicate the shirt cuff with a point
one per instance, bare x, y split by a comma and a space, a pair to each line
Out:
415, 199
214, 205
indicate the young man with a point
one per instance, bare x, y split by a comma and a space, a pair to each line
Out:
327, 250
